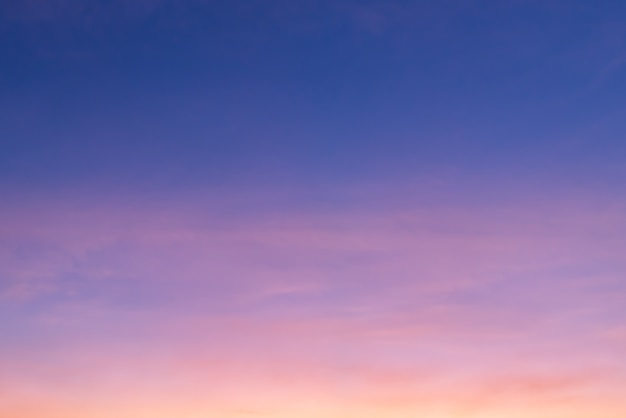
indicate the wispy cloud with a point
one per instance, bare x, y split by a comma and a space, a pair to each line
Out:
398, 309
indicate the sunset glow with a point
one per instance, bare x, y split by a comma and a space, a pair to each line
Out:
312, 209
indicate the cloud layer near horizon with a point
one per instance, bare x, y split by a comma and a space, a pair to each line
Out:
449, 311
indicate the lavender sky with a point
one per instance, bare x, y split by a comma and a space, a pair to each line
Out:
312, 209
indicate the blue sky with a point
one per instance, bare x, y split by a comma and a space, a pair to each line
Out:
210, 89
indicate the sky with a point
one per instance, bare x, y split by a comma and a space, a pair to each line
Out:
312, 209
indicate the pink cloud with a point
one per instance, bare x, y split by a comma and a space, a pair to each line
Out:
402, 310
382, 258
153, 379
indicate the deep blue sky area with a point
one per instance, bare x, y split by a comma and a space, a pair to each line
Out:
161, 93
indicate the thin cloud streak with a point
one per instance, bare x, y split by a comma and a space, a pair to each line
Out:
398, 310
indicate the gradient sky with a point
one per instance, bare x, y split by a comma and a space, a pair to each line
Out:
312, 209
